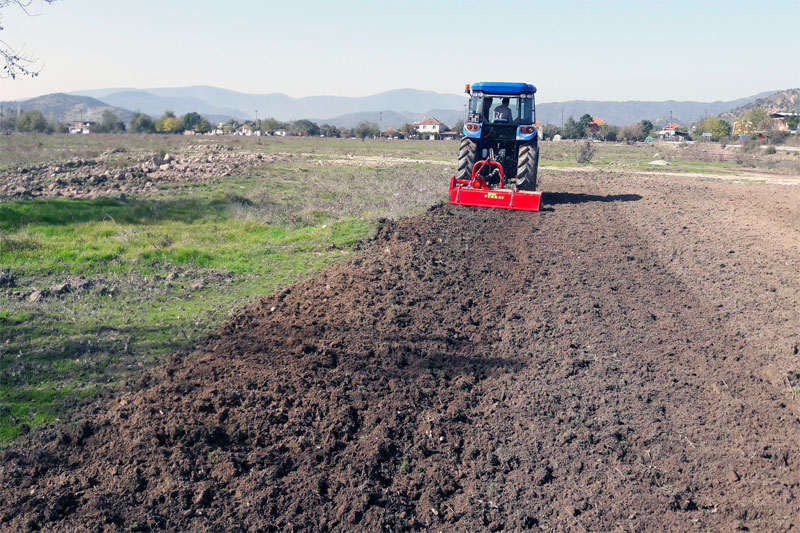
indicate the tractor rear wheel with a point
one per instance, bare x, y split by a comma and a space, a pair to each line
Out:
527, 166
467, 154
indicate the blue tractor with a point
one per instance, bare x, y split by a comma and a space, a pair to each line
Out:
500, 127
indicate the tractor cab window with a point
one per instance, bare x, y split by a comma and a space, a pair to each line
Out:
484, 108
477, 113
526, 110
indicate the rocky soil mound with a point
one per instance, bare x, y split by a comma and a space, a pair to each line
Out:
84, 178
474, 370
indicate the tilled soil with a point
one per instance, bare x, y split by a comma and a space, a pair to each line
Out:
626, 359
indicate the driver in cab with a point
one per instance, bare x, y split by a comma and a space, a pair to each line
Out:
502, 113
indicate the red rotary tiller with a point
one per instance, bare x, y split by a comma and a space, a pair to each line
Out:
476, 191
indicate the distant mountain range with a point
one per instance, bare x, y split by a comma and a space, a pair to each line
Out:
621, 113
213, 100
391, 108
66, 107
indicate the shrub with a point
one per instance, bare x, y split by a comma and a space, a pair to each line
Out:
717, 127
749, 145
586, 152
109, 123
632, 132
141, 123
549, 131
31, 121
607, 132
304, 127
366, 129
169, 123
777, 137
572, 129
770, 150
190, 120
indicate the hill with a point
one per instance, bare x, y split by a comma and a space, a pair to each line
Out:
398, 106
155, 105
67, 107
785, 101
206, 99
627, 112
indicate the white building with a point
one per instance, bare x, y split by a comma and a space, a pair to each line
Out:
430, 126
83, 127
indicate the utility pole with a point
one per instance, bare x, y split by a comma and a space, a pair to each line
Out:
562, 120
380, 126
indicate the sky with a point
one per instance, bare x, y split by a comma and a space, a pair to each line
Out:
591, 50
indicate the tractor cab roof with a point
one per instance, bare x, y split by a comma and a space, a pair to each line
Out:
503, 88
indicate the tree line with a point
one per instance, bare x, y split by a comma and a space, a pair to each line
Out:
754, 121
580, 129
169, 122
34, 121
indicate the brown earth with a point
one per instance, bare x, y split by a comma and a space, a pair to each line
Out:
626, 359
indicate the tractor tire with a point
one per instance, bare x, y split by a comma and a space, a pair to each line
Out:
467, 156
527, 167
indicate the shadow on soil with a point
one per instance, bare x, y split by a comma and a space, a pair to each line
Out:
559, 198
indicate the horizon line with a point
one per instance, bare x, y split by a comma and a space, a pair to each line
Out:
145, 89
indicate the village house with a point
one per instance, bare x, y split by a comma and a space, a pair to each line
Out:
779, 120
430, 127
742, 128
673, 132
594, 125
82, 127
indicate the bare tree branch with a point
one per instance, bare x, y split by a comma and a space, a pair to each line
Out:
15, 61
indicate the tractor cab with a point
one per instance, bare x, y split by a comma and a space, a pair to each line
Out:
483, 118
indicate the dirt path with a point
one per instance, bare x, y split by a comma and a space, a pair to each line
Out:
623, 360
737, 175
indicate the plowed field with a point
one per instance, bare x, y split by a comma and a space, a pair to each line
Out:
626, 359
